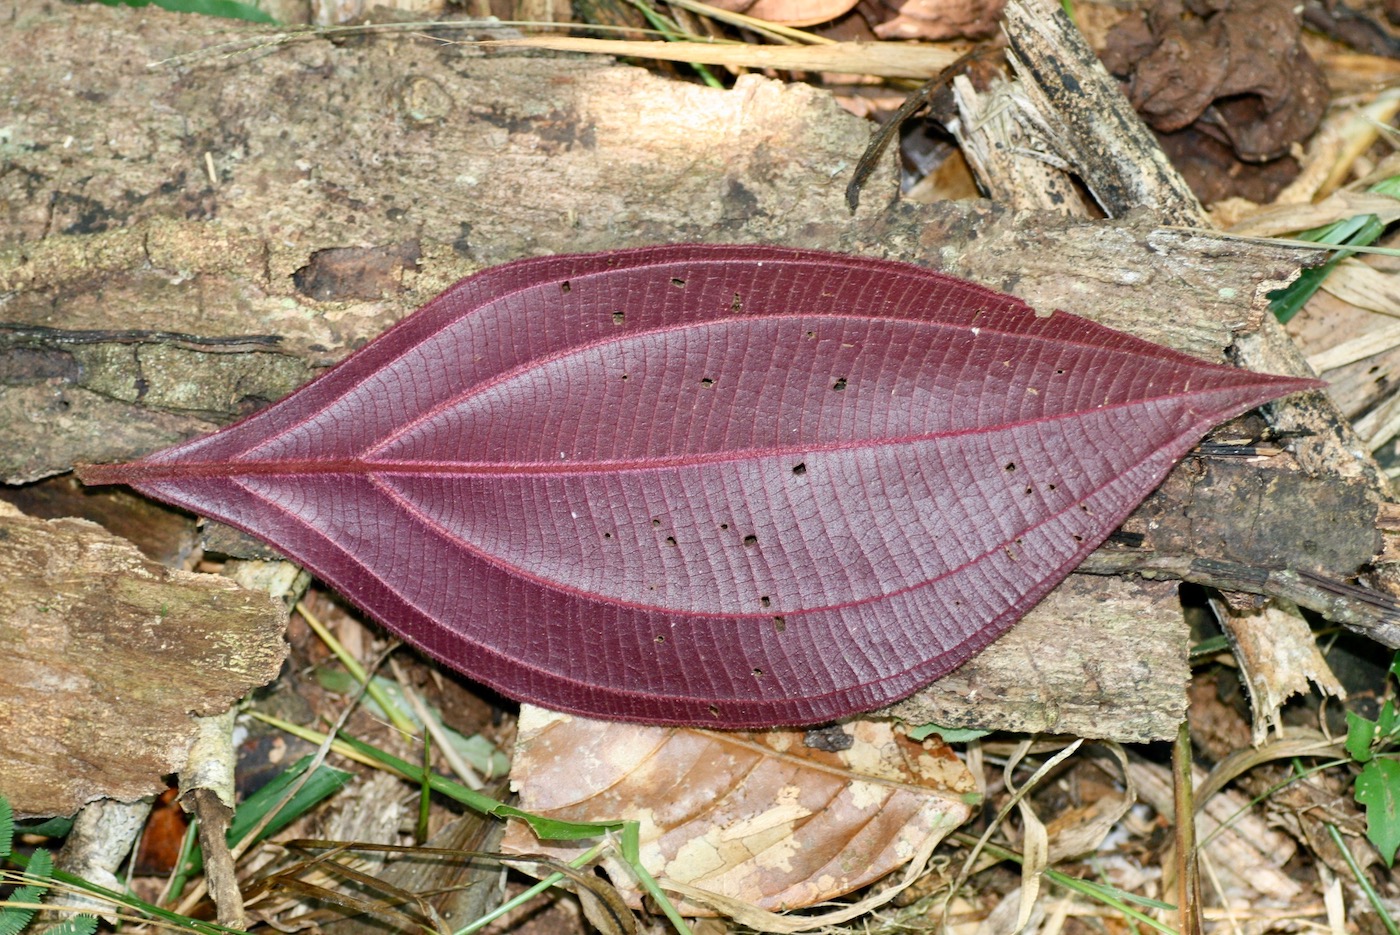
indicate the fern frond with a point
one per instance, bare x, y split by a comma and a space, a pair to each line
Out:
13, 918
82, 924
7, 827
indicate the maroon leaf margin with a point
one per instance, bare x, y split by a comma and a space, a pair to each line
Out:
727, 485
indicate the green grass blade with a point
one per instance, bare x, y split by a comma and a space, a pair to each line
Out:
1338, 232
13, 917
224, 9
549, 829
1390, 186
324, 782
48, 828
632, 853
673, 33
129, 901
1363, 881
1360, 231
1110, 896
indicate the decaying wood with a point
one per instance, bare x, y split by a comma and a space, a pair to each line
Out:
111, 654
94, 849
1023, 681
208, 792
1009, 153
186, 244
1279, 658
1091, 123
1249, 518
214, 817
1111, 151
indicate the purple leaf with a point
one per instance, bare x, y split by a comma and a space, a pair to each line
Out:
736, 486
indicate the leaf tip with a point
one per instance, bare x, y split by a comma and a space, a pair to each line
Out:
1278, 386
1302, 384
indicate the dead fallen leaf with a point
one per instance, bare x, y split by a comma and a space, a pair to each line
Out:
789, 12
1285, 219
1215, 173
934, 20
1233, 69
1247, 855
760, 818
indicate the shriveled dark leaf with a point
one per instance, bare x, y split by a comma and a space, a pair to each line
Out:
736, 486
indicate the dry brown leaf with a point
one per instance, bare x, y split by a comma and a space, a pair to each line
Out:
1285, 219
758, 818
789, 12
1350, 72
1360, 284
1235, 70
800, 12
1081, 830
1035, 847
1248, 854
933, 20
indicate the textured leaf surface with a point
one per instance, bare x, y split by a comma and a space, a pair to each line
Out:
740, 486
772, 819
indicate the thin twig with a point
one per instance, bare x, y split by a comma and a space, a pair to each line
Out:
880, 139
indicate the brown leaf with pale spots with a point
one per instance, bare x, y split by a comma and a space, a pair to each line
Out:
762, 817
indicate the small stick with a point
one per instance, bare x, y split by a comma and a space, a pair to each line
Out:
1188, 877
915, 102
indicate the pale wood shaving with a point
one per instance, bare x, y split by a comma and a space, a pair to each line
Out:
1349, 352
1248, 855
1035, 844
1380, 425
1319, 157
1365, 287
1279, 658
1337, 206
1360, 133
1334, 898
